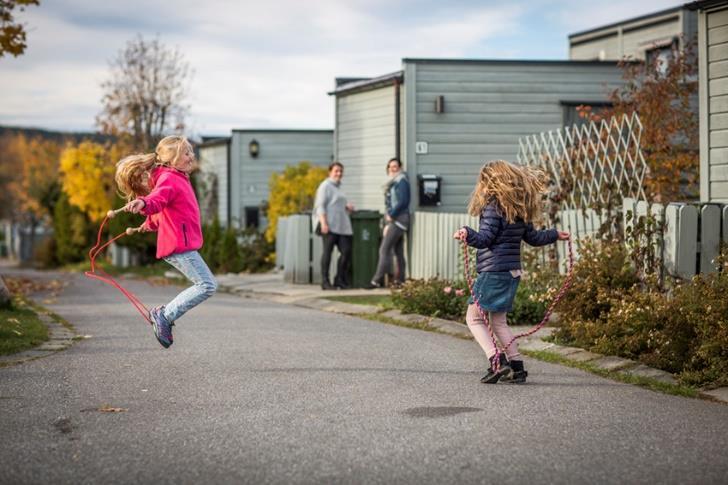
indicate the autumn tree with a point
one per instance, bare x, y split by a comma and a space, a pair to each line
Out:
663, 93
292, 191
144, 97
88, 185
88, 176
12, 33
29, 180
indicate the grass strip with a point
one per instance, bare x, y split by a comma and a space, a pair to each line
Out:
20, 328
382, 301
646, 382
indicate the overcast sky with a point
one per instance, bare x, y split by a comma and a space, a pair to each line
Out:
270, 63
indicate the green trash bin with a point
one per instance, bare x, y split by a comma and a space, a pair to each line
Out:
365, 246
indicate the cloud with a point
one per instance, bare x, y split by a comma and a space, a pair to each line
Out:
270, 64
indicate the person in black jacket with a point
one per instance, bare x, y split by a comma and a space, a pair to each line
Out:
508, 198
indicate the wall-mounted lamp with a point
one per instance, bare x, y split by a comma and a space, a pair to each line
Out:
254, 148
440, 104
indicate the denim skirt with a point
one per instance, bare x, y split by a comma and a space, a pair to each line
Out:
495, 291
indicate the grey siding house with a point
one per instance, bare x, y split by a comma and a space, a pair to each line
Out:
639, 38
214, 158
242, 166
713, 89
445, 118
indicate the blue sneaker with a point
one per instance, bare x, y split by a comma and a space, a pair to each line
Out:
162, 327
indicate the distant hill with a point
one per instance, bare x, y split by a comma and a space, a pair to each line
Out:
75, 136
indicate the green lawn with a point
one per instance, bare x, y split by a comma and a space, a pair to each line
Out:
383, 301
20, 329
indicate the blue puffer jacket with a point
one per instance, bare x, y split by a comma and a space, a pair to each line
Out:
499, 243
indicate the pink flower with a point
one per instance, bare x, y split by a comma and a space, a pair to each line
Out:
447, 290
459, 292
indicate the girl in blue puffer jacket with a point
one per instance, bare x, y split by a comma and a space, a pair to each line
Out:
508, 198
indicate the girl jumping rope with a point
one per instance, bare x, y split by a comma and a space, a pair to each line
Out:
158, 186
508, 198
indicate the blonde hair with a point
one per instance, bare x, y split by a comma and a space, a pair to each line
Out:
518, 190
132, 172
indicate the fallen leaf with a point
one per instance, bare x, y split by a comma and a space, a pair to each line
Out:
108, 409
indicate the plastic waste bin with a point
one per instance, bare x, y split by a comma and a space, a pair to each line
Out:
365, 246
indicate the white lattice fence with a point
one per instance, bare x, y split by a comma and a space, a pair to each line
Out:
590, 163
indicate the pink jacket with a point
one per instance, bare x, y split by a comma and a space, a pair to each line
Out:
172, 210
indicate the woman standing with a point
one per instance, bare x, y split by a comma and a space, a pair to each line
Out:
396, 202
332, 211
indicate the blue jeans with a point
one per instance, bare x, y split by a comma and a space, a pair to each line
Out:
190, 264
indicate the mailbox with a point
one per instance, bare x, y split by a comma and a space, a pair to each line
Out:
429, 189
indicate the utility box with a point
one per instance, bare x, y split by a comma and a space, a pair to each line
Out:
365, 246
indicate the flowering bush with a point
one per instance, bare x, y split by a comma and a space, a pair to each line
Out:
448, 299
433, 297
683, 331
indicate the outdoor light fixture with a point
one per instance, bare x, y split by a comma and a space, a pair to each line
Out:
440, 104
254, 148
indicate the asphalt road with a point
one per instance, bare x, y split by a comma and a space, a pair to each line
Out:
255, 392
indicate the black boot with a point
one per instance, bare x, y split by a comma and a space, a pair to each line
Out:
519, 374
325, 284
341, 284
491, 377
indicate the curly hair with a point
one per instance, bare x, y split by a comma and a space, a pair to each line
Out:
518, 190
132, 172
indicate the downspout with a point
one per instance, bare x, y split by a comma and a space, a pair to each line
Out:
397, 133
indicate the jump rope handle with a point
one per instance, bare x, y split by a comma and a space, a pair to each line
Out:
112, 213
129, 230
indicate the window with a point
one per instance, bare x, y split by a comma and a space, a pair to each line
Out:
571, 110
661, 54
252, 216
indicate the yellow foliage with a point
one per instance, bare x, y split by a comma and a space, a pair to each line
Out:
292, 191
30, 169
88, 176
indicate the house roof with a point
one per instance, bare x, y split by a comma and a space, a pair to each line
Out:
281, 130
564, 62
367, 84
212, 141
705, 4
627, 21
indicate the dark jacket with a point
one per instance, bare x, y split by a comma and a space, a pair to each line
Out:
499, 243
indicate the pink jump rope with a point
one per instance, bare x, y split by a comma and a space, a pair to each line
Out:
564, 287
100, 274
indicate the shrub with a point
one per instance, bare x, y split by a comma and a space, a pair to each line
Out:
448, 299
433, 297
684, 331
601, 275
528, 307
256, 253
212, 235
72, 233
228, 252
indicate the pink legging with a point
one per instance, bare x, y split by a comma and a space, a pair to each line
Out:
503, 333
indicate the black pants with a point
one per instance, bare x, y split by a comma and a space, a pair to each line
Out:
392, 243
343, 243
